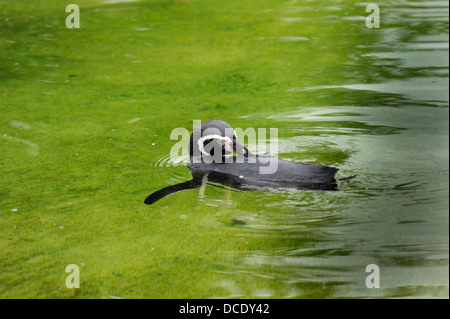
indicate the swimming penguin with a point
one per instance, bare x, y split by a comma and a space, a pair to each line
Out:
211, 159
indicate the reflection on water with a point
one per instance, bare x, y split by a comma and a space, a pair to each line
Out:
394, 213
99, 105
386, 215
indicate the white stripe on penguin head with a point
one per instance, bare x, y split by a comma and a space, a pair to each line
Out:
209, 137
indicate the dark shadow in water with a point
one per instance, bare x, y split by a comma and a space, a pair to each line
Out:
156, 196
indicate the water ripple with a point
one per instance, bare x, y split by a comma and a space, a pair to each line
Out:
169, 160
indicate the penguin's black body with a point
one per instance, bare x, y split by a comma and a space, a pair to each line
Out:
249, 172
210, 148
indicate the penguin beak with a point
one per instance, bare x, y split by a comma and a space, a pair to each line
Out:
235, 147
227, 146
240, 149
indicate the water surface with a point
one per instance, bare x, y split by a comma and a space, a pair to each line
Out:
85, 136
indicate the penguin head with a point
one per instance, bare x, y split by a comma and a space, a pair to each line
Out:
214, 141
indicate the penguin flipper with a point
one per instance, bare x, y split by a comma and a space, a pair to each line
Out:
156, 196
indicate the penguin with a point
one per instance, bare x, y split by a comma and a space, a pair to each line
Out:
211, 159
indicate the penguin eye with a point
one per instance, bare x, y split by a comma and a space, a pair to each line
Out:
206, 142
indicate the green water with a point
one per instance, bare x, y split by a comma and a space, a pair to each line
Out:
86, 117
